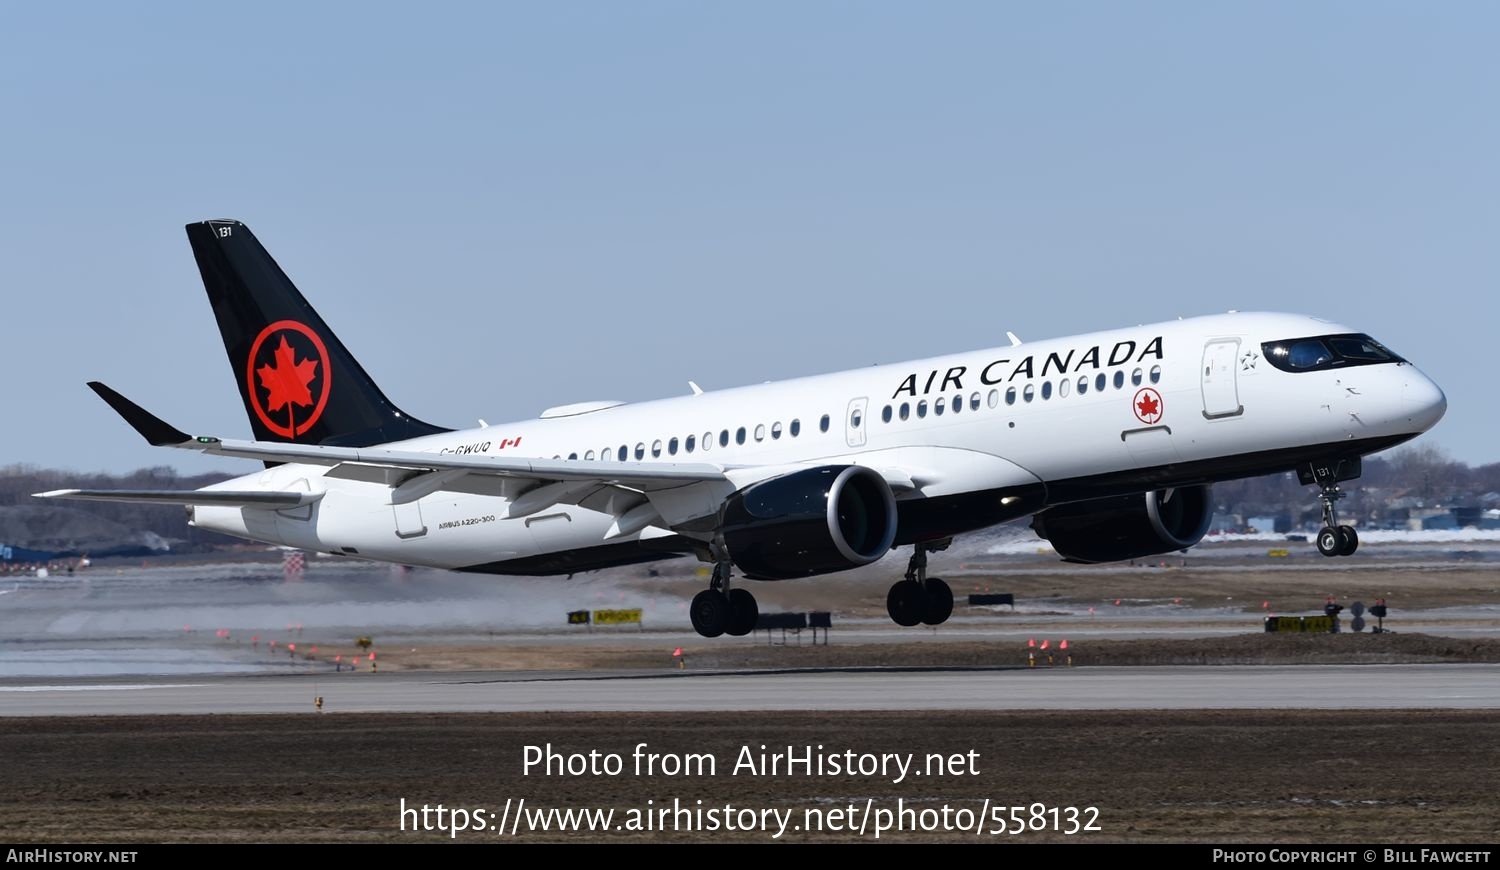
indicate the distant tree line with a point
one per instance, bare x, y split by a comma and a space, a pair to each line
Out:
1417, 476
18, 482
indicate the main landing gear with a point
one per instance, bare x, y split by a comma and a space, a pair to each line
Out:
1333, 539
919, 599
721, 610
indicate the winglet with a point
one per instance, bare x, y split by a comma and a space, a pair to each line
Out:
154, 429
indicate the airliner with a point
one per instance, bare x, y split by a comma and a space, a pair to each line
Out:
1109, 441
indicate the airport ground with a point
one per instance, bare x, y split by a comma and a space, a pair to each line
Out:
1282, 768
1364, 776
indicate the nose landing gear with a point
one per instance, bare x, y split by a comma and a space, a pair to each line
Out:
1333, 539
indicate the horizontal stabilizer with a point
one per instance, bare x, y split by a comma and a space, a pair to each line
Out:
154, 429
221, 497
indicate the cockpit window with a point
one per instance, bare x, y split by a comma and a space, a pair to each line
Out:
1309, 354
1326, 352
1361, 348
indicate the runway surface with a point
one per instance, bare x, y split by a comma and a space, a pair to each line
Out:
1307, 687
182, 618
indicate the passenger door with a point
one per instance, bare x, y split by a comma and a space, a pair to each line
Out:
1221, 395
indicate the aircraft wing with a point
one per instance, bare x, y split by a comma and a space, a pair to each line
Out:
647, 476
665, 494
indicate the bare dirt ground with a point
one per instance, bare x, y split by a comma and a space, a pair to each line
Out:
1248, 649
1202, 776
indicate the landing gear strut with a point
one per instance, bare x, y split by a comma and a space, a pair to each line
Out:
919, 599
721, 610
1333, 539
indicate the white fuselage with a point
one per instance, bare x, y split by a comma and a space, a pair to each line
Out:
1183, 399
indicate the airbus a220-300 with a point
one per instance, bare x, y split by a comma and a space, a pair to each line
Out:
1109, 441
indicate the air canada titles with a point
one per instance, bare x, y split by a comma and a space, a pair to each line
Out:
1005, 370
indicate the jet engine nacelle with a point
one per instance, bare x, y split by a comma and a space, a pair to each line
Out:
1129, 526
809, 522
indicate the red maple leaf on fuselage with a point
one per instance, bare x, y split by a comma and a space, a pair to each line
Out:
1148, 406
287, 380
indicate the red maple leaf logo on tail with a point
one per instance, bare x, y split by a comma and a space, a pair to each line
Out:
281, 385
287, 380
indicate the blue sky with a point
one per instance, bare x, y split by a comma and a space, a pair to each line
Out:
505, 206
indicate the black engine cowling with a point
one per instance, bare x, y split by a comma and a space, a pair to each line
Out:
1129, 526
809, 522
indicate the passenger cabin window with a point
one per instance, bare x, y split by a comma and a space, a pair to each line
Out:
1135, 378
796, 428
624, 453
1063, 388
974, 402
1029, 393
760, 432
958, 404
589, 456
708, 440
723, 437
854, 418
1327, 352
1010, 395
656, 449
672, 447
572, 455
1119, 379
776, 429
739, 435
1155, 374
994, 398
1100, 382
905, 410
688, 444
922, 408
823, 424
885, 414
640, 450
939, 405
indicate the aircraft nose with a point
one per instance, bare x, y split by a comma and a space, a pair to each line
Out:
1425, 402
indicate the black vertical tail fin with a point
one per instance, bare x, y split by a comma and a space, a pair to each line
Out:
297, 380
